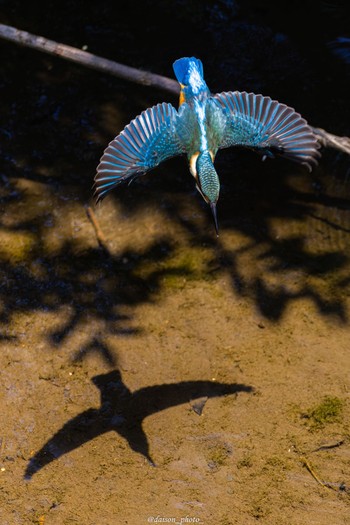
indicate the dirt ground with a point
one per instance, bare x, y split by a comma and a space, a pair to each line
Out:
173, 380
178, 377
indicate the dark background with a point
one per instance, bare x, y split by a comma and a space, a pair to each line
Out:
49, 107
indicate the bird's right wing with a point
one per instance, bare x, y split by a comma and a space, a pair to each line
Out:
265, 125
147, 141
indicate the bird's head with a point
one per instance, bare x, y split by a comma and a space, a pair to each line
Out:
189, 73
208, 183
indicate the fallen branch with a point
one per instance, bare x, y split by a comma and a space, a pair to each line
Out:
305, 462
307, 465
87, 59
332, 141
129, 73
331, 445
102, 241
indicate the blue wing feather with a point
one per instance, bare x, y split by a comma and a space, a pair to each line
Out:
264, 124
147, 141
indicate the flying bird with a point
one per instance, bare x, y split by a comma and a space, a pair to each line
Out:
203, 124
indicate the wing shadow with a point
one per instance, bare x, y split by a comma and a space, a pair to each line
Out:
123, 411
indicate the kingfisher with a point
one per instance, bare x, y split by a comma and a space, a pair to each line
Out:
203, 124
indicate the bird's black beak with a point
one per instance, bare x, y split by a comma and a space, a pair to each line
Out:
213, 210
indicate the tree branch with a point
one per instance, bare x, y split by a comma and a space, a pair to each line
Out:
102, 241
131, 74
332, 141
87, 59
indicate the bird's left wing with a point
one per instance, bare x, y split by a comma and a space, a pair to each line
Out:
147, 141
265, 125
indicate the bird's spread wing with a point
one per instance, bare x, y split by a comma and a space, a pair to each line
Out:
147, 141
267, 126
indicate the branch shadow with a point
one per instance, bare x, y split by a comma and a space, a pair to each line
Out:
262, 266
74, 113
123, 412
85, 283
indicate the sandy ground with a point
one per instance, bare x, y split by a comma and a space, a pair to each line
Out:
175, 378
178, 378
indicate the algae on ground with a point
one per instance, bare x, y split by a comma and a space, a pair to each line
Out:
245, 462
181, 266
328, 411
217, 454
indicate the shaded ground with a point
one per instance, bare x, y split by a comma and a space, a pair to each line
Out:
183, 376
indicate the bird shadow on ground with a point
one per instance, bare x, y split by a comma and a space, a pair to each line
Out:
123, 412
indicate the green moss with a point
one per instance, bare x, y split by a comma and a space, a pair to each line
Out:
261, 503
174, 282
187, 264
276, 462
328, 411
192, 265
217, 454
245, 462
